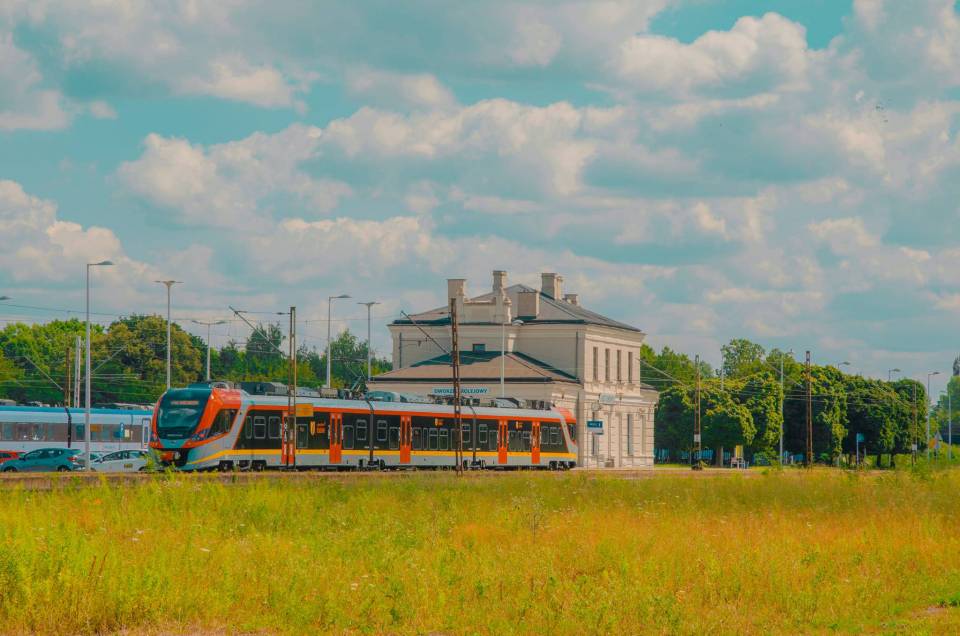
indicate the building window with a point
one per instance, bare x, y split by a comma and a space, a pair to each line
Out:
606, 365
630, 366
619, 361
630, 434
596, 364
479, 347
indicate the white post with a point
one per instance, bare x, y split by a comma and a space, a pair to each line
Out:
169, 285
503, 354
781, 409
86, 410
76, 374
208, 351
330, 300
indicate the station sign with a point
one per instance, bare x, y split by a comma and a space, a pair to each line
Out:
466, 390
595, 427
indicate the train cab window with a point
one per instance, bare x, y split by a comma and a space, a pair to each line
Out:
260, 427
394, 437
348, 436
434, 436
381, 430
444, 439
223, 422
572, 430
417, 439
482, 435
274, 422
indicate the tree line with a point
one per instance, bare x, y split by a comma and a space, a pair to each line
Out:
128, 360
740, 405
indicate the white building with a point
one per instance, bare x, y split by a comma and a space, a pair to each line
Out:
545, 346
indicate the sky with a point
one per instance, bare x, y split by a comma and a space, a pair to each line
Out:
783, 171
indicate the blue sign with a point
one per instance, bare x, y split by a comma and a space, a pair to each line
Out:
595, 427
860, 438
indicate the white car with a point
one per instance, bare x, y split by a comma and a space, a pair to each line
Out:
125, 461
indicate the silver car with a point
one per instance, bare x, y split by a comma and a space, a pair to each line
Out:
125, 461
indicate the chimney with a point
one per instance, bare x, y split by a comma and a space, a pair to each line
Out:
573, 299
528, 305
552, 285
499, 280
456, 288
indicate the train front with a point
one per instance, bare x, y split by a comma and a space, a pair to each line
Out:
192, 427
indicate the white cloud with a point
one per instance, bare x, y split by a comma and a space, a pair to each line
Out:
24, 103
420, 90
233, 77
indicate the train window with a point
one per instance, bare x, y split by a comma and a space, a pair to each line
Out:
482, 435
381, 430
513, 441
274, 422
466, 435
433, 439
223, 422
555, 436
417, 441
394, 437
348, 436
525, 439
361, 430
260, 427
572, 429
444, 439
6, 431
248, 427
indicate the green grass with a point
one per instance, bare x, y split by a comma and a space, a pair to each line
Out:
784, 552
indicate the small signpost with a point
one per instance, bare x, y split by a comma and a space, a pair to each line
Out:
595, 427
859, 440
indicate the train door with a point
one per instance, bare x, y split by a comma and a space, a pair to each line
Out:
501, 441
336, 437
535, 444
406, 438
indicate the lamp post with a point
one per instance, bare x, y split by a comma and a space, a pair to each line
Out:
168, 284
330, 300
86, 392
208, 325
929, 375
368, 305
890, 372
782, 399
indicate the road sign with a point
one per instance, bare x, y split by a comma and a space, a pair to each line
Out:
860, 438
696, 438
595, 427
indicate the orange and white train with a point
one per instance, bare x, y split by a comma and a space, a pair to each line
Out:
203, 427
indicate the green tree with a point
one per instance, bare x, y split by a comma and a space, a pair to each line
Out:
668, 366
760, 393
39, 353
724, 423
829, 414
741, 358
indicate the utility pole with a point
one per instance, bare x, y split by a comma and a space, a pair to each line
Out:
929, 402
208, 325
168, 284
913, 449
809, 414
67, 385
288, 458
782, 400
697, 437
76, 373
369, 305
949, 425
455, 363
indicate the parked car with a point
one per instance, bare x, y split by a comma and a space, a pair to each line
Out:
45, 459
125, 461
6, 455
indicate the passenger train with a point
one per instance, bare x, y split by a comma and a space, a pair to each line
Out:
26, 428
205, 427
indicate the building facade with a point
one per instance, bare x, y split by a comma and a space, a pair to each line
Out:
535, 344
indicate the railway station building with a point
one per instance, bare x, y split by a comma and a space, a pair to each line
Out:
538, 345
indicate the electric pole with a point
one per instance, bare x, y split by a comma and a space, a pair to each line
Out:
66, 386
697, 437
455, 363
290, 423
76, 374
809, 414
913, 449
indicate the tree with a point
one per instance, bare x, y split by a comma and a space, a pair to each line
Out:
872, 411
760, 393
741, 358
724, 423
39, 352
669, 366
829, 414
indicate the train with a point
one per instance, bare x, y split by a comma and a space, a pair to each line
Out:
27, 428
208, 427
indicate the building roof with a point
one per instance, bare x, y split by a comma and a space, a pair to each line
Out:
552, 311
479, 367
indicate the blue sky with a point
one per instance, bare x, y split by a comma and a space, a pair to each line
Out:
782, 170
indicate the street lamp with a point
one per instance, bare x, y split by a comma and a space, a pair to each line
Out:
208, 325
929, 375
368, 305
788, 353
891, 371
168, 284
86, 411
330, 300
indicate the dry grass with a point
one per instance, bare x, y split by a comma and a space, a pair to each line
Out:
565, 554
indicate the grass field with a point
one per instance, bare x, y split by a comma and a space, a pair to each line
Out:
784, 552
